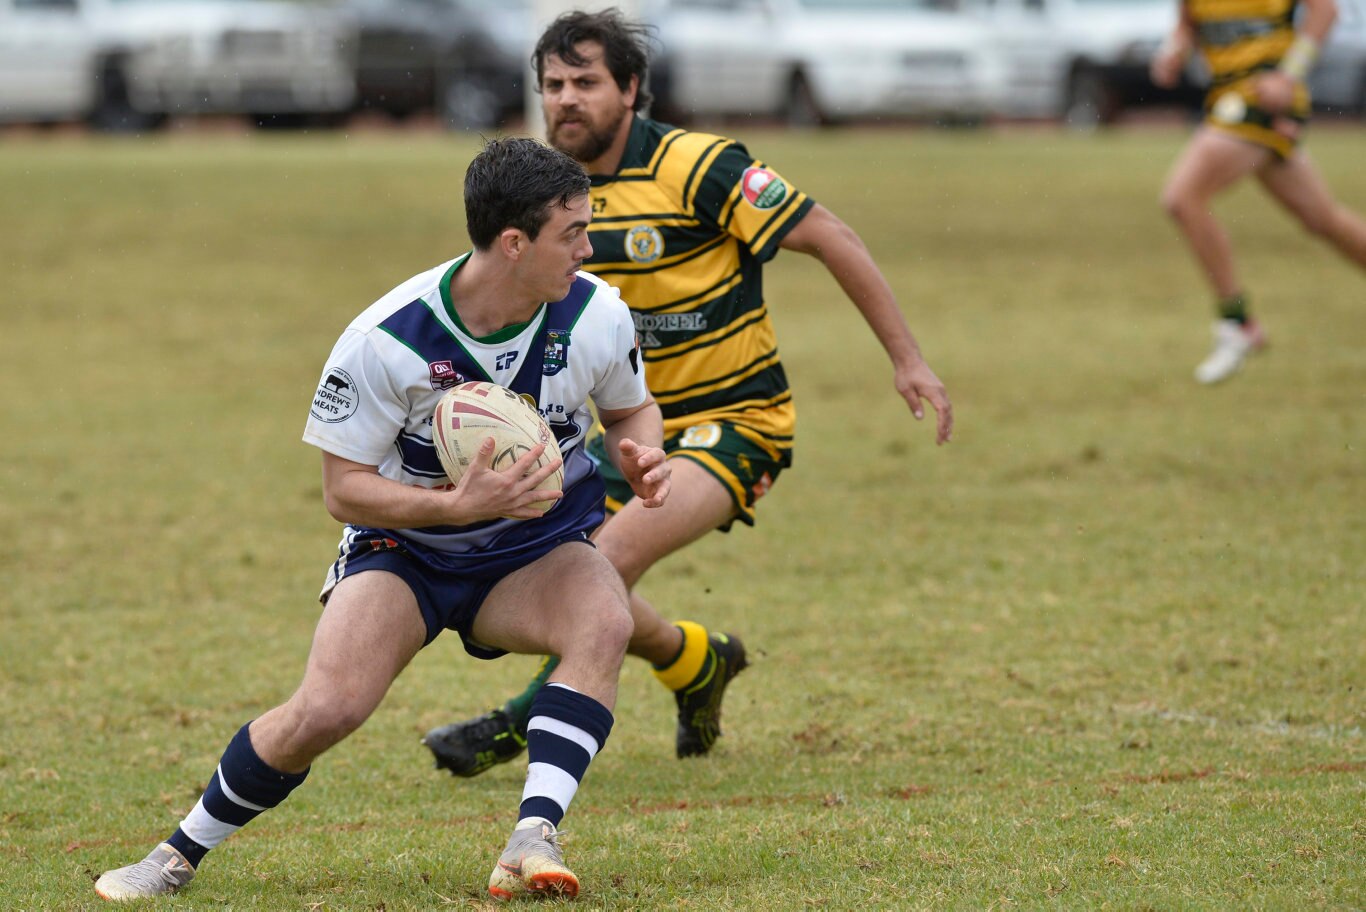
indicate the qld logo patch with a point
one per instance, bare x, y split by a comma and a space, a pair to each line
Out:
556, 352
762, 188
644, 244
443, 375
337, 397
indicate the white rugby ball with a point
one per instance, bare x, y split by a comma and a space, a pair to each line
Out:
470, 413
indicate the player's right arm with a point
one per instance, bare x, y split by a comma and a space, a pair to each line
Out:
1170, 58
356, 493
1276, 89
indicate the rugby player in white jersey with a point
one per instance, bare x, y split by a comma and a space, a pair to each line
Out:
419, 556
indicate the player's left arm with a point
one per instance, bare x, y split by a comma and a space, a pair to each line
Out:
824, 236
634, 439
1276, 88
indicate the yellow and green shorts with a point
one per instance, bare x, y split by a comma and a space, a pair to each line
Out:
746, 469
1233, 110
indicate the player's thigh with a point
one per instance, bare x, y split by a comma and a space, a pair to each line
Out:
1210, 163
635, 538
569, 594
1297, 185
369, 631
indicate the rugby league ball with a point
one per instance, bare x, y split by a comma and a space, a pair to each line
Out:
470, 413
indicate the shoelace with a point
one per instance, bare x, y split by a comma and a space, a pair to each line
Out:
149, 875
552, 839
487, 728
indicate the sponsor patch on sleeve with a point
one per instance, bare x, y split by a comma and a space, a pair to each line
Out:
762, 188
336, 398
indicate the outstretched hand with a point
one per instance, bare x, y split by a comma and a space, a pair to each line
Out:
919, 383
647, 471
484, 493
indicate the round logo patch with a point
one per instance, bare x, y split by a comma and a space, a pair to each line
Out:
644, 244
763, 188
336, 398
701, 436
1231, 108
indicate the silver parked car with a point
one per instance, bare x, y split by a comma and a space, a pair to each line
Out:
824, 61
1082, 61
130, 64
1338, 83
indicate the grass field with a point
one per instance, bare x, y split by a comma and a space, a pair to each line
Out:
1106, 650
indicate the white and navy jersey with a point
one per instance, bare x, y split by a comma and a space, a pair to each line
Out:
375, 400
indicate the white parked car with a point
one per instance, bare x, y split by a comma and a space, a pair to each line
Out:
1086, 61
821, 61
1338, 83
1083, 61
129, 64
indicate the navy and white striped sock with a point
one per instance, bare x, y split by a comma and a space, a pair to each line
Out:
565, 731
242, 787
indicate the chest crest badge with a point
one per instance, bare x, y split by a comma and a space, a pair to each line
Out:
644, 244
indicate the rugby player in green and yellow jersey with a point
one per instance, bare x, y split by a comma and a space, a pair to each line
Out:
683, 223
1255, 111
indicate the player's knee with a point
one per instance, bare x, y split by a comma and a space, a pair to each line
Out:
611, 627
1176, 205
325, 721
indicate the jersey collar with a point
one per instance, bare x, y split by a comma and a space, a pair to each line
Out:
502, 335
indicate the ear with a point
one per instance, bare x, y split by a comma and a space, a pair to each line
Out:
632, 90
512, 242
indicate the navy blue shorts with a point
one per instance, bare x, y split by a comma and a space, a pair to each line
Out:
448, 597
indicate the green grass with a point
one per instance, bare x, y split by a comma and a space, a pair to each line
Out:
1103, 651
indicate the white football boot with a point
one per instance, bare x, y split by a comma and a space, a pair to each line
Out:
163, 871
1233, 342
533, 862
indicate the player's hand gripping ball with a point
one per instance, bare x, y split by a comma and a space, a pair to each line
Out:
472, 412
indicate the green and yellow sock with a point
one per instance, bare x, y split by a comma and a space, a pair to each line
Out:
519, 707
684, 668
1234, 308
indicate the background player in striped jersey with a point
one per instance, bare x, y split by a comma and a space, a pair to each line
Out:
1255, 111
683, 223
418, 557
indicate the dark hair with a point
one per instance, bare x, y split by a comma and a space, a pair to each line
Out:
512, 183
624, 47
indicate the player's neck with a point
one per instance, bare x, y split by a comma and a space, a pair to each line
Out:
488, 299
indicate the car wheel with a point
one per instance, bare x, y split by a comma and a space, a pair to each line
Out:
279, 120
1090, 102
114, 111
469, 101
801, 109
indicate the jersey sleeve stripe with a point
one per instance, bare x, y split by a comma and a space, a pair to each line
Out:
764, 245
699, 168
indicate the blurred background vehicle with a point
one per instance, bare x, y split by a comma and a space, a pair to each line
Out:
1082, 61
823, 61
466, 60
1338, 82
131, 64
1086, 61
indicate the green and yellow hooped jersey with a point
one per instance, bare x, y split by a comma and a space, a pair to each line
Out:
683, 229
1240, 38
